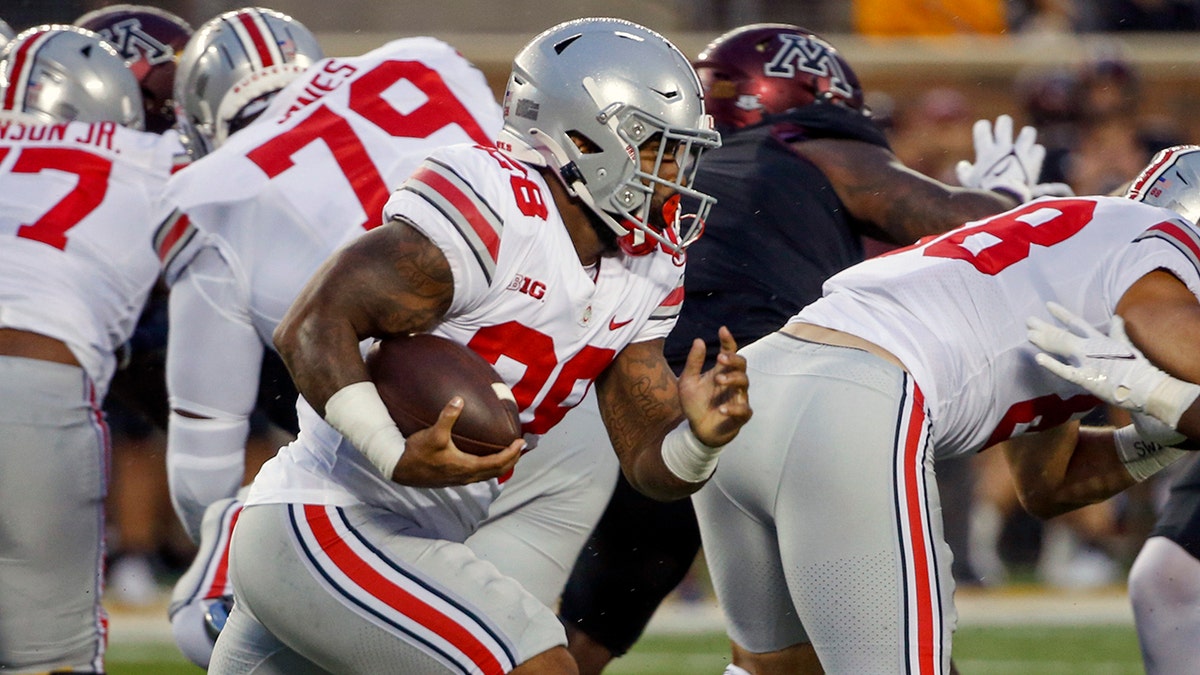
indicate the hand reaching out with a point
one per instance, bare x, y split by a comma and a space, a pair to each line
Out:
715, 401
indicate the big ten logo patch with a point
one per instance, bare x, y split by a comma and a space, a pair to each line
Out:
528, 285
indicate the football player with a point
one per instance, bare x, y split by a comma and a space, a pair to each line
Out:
803, 172
841, 551
603, 127
79, 200
257, 216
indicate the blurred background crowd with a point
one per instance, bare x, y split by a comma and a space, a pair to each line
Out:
1106, 82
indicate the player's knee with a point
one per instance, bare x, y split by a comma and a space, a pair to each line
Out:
1164, 574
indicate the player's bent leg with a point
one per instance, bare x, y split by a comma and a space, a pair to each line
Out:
1164, 588
852, 502
349, 590
201, 596
53, 480
536, 527
798, 659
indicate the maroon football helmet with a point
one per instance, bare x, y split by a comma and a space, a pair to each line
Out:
767, 68
151, 40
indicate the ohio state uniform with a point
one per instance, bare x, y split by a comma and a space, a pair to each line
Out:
78, 207
255, 219
853, 466
370, 546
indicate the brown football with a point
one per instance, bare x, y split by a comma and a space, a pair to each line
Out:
417, 375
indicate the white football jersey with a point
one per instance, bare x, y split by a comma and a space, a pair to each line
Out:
314, 171
952, 308
521, 300
79, 204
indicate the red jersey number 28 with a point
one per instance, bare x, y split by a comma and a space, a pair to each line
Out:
1006, 239
92, 171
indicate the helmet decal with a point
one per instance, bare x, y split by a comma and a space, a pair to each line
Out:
801, 53
63, 73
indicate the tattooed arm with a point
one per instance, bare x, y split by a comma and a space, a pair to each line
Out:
901, 204
641, 401
390, 281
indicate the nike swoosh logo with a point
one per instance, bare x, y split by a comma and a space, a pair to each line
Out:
613, 324
1111, 357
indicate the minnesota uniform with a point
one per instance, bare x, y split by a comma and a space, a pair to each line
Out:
843, 545
78, 207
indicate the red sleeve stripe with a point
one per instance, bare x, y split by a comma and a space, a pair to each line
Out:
670, 306
1182, 238
474, 219
256, 38
14, 96
172, 236
385, 591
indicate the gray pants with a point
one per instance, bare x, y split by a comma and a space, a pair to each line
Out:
822, 523
53, 480
346, 590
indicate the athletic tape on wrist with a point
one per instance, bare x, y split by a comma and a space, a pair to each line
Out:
358, 413
1170, 399
1143, 458
688, 458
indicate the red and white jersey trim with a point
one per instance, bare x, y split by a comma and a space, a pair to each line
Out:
470, 214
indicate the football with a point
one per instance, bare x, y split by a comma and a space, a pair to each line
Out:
417, 375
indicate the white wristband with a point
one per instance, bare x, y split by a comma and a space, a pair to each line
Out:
1143, 458
688, 458
358, 413
1170, 399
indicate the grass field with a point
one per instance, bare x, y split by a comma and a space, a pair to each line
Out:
994, 650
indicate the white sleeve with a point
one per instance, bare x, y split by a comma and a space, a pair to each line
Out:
213, 361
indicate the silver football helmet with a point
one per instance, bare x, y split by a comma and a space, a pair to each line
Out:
65, 73
1171, 180
584, 96
231, 68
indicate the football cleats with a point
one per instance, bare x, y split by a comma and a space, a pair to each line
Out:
1171, 180
583, 99
66, 73
232, 67
767, 68
150, 39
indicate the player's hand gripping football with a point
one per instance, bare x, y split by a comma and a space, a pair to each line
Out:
715, 401
1008, 166
1109, 366
431, 459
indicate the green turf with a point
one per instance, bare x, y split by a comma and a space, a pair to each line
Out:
1017, 650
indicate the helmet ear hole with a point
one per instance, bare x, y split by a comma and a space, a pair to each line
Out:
586, 145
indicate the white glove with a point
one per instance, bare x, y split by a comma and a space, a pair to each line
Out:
1109, 366
1001, 164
